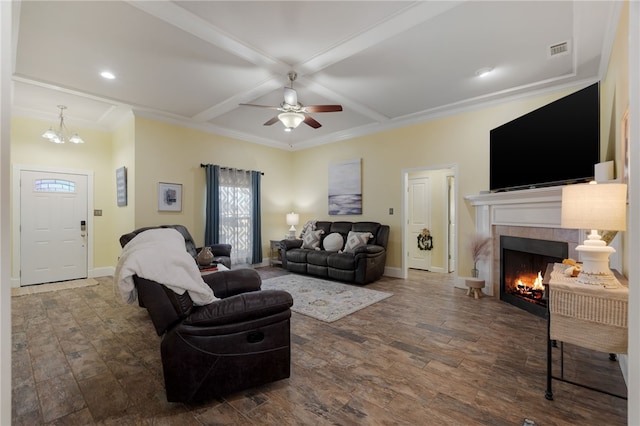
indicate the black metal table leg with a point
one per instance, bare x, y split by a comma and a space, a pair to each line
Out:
549, 393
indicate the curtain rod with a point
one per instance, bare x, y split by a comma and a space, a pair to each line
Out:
229, 168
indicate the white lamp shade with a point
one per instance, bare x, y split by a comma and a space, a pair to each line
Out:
291, 120
595, 206
293, 219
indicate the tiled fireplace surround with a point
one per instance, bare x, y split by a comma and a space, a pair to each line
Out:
531, 213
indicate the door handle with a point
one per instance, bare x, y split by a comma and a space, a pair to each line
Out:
83, 227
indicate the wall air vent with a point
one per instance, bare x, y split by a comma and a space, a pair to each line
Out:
559, 49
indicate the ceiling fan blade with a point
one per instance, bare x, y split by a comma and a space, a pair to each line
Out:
309, 121
272, 121
290, 96
261, 106
323, 108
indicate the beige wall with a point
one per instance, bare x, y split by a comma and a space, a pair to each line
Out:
168, 153
614, 101
124, 156
28, 148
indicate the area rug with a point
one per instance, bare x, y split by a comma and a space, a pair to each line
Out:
43, 288
322, 299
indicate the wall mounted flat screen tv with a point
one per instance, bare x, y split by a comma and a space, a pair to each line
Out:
556, 144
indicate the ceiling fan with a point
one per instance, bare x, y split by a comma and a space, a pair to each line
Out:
293, 112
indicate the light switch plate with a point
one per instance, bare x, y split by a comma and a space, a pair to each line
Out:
97, 212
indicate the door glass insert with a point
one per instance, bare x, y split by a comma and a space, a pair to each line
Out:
54, 185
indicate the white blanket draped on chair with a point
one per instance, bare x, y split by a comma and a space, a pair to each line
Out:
160, 255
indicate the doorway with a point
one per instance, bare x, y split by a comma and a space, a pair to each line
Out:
52, 230
429, 210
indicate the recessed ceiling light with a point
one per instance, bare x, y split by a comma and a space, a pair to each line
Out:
483, 72
108, 75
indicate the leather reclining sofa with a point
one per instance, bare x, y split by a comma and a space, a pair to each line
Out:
361, 265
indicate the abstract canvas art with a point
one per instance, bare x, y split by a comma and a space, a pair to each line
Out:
345, 188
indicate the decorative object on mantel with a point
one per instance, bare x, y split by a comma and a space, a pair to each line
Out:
595, 206
62, 134
479, 247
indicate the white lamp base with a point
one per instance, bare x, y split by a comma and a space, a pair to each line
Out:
595, 267
292, 232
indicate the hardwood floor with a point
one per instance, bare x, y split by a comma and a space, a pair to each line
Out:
428, 355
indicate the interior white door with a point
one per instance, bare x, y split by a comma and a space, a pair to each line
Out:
53, 234
419, 218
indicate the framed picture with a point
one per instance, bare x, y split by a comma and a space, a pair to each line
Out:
169, 197
121, 186
345, 188
624, 132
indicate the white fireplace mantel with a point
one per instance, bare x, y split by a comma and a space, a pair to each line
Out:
539, 207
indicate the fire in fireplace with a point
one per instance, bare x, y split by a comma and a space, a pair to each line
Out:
522, 264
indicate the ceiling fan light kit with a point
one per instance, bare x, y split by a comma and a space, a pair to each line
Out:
293, 112
291, 120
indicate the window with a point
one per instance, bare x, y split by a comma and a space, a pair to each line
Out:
54, 185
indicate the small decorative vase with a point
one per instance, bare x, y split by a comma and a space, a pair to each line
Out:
475, 272
205, 257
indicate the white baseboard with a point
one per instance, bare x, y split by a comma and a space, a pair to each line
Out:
393, 272
623, 362
104, 271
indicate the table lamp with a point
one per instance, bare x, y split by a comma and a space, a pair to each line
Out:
292, 219
595, 206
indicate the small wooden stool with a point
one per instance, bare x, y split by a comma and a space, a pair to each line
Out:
475, 287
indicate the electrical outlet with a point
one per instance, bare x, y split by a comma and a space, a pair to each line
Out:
391, 210
97, 212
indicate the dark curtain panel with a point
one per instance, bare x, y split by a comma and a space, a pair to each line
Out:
212, 225
256, 220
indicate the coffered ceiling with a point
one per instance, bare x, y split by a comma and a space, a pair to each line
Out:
388, 63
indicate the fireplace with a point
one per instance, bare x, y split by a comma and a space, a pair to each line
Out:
523, 262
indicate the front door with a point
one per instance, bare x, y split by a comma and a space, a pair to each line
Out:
53, 231
419, 219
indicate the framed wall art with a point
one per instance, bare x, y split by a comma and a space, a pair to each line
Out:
121, 186
624, 133
169, 197
345, 188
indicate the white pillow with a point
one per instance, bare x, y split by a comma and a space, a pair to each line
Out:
311, 239
355, 240
333, 242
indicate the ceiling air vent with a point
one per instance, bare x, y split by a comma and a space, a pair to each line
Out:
559, 49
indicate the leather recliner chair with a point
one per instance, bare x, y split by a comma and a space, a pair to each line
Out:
232, 344
221, 252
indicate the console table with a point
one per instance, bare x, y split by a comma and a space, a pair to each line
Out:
589, 316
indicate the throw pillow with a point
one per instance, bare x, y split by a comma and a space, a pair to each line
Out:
310, 225
333, 242
355, 240
311, 239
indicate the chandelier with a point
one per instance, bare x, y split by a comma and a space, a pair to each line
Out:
62, 134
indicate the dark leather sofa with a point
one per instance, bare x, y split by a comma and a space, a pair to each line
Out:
232, 344
363, 266
221, 252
